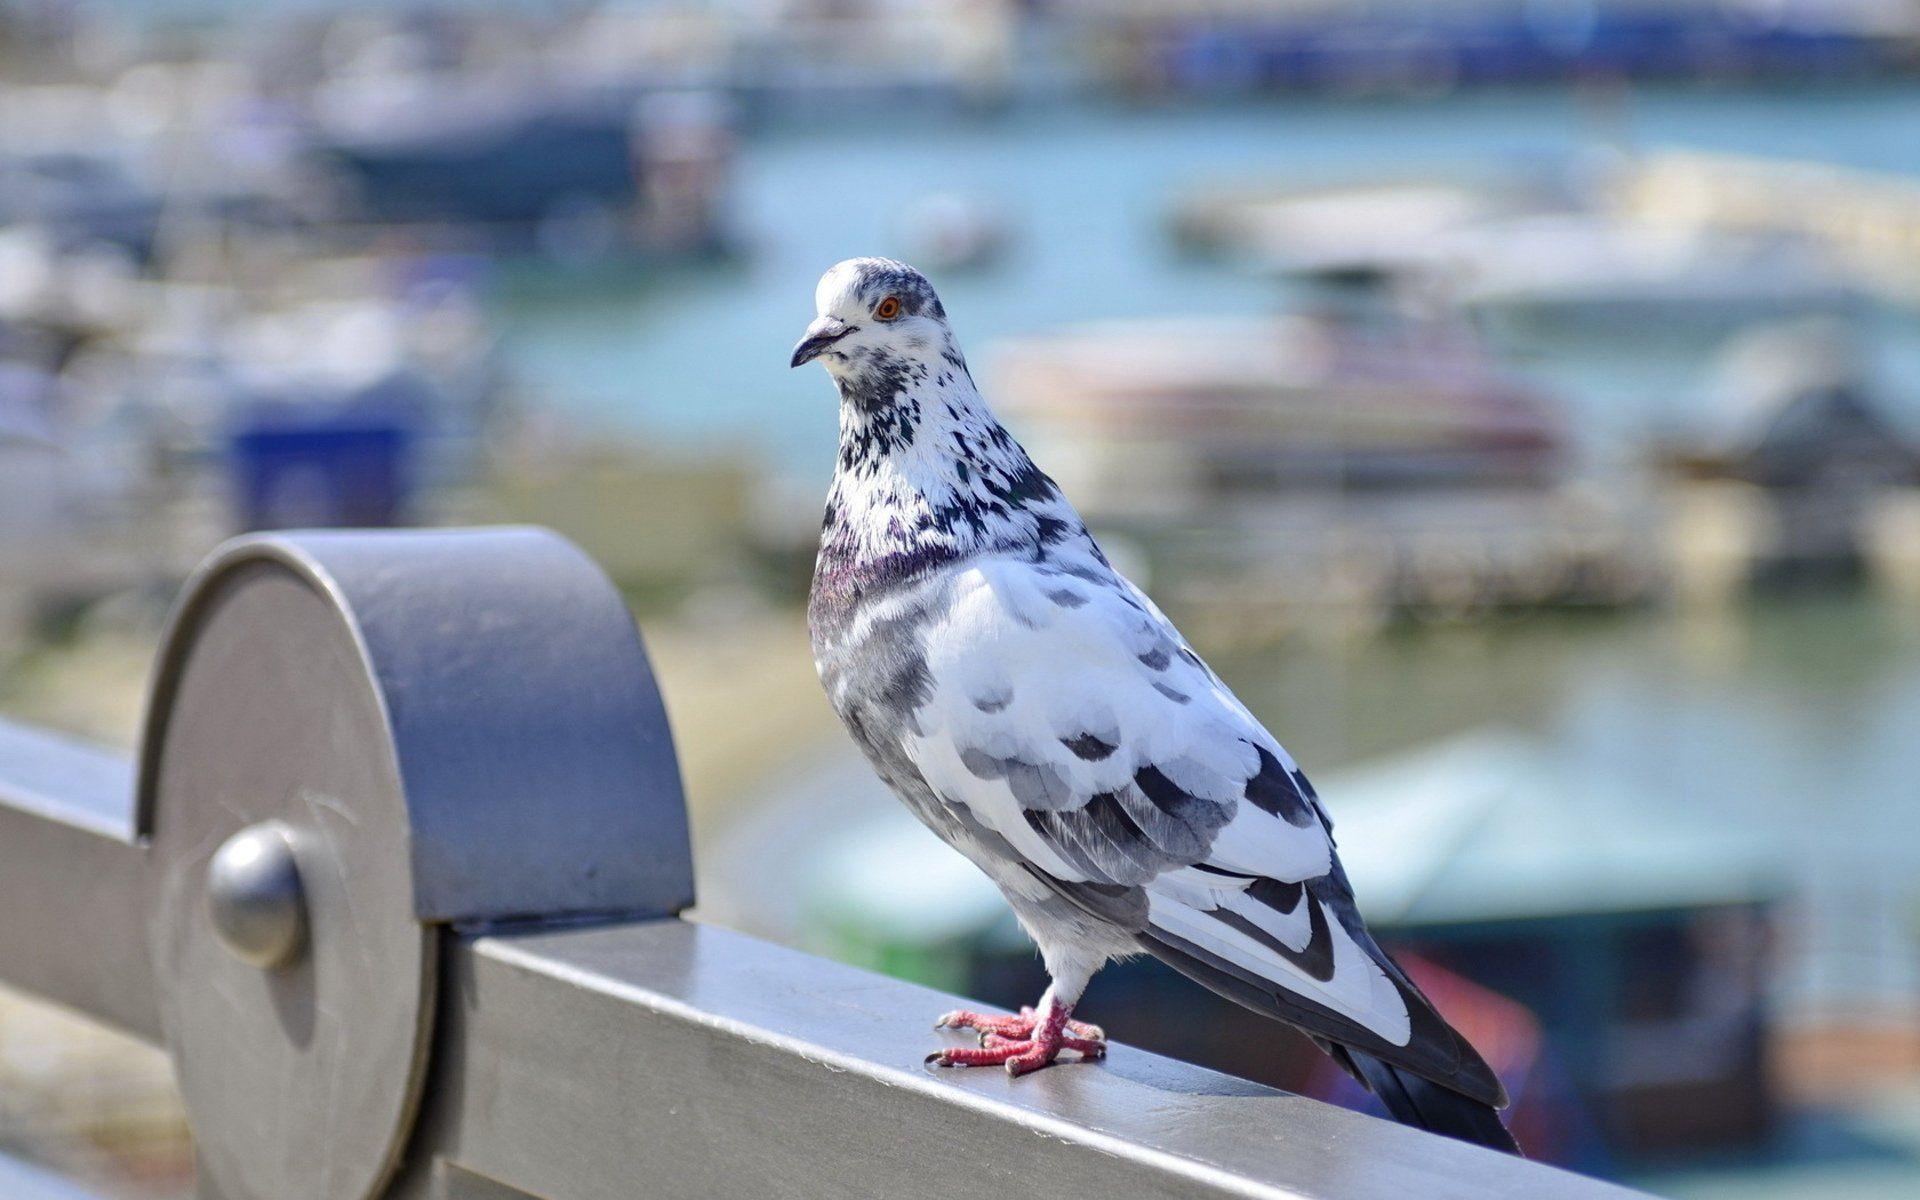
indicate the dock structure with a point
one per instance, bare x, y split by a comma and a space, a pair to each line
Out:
398, 879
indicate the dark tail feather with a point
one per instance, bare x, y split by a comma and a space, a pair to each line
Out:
1426, 1105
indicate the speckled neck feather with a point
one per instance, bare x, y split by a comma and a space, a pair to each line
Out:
926, 475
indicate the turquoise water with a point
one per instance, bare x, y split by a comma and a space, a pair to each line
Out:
700, 355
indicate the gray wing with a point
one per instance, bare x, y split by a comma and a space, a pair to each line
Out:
1064, 713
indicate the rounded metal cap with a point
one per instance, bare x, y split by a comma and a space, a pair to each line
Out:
353, 739
254, 896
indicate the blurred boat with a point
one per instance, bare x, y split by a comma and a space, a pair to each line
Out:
1595, 278
1231, 47
436, 155
580, 175
161, 147
79, 196
1364, 232
1320, 462
1282, 403
1869, 221
1578, 253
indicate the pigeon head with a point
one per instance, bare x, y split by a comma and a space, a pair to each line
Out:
880, 328
925, 473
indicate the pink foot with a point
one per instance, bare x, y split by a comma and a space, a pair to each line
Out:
1020, 1043
1019, 1026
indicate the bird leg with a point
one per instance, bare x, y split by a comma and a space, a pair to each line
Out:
1021, 1043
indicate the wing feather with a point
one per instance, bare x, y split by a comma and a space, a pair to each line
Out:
1068, 716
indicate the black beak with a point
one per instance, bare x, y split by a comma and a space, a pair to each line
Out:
820, 335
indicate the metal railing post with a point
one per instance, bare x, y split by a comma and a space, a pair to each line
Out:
352, 739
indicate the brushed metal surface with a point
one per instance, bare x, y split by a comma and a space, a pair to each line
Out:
669, 1059
73, 885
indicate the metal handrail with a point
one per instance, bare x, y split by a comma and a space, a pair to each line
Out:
397, 880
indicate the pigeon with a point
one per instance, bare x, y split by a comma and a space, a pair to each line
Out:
1041, 715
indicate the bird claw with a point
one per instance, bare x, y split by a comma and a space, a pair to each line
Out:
1020, 1056
1020, 1025
1021, 1043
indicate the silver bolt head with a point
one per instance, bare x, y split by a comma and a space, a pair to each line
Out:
254, 896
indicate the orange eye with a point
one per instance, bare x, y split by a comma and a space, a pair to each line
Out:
888, 309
